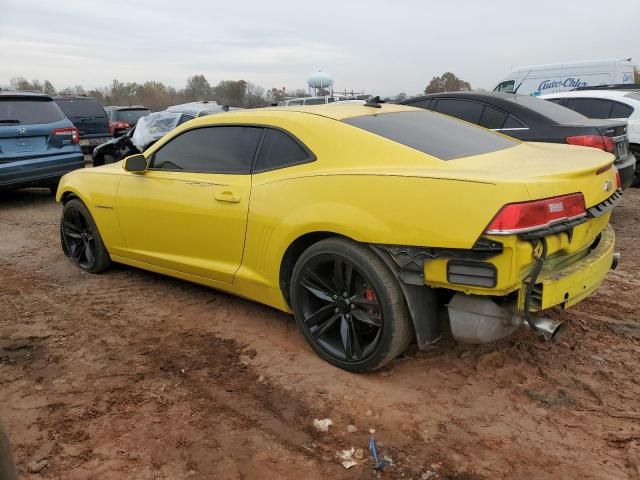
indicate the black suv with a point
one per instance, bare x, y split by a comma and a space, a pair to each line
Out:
88, 117
121, 119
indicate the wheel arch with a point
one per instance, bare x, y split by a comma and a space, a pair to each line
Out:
68, 195
292, 254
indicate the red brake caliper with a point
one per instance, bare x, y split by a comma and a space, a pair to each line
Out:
370, 295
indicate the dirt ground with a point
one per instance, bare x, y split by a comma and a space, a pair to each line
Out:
132, 375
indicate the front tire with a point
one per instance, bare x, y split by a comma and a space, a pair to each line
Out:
349, 306
81, 240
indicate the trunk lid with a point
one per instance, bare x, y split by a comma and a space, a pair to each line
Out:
545, 169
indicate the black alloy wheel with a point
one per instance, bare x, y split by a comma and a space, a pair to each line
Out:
80, 238
348, 305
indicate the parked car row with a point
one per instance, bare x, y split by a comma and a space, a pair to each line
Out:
151, 128
44, 137
38, 144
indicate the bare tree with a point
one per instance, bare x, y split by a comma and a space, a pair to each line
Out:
448, 82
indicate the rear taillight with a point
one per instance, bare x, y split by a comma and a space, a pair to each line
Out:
527, 216
596, 141
113, 126
618, 181
73, 131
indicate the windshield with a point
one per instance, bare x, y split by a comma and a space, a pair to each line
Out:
80, 108
635, 96
437, 135
506, 87
29, 111
131, 116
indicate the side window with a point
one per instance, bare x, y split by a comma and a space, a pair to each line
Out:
591, 107
559, 101
462, 109
331, 99
295, 102
621, 110
426, 104
226, 149
279, 150
314, 101
513, 122
493, 118
506, 87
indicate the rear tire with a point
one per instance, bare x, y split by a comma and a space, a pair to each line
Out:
349, 306
80, 238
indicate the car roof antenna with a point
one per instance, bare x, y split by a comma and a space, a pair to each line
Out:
374, 102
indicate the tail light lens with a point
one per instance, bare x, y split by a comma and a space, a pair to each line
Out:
73, 131
113, 126
596, 141
527, 216
618, 181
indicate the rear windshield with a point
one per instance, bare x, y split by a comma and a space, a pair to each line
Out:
29, 111
131, 116
438, 135
80, 107
553, 111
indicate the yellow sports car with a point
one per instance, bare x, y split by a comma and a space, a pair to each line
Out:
365, 221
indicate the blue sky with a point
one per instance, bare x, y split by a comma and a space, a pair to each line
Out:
383, 47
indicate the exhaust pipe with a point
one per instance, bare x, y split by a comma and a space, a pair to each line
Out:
549, 329
615, 261
475, 319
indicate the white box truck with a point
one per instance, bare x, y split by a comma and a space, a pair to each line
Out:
559, 77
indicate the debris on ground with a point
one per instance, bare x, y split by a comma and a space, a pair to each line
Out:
346, 458
37, 467
322, 425
379, 463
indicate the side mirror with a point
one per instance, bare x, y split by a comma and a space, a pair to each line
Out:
135, 163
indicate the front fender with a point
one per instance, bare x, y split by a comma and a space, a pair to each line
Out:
97, 190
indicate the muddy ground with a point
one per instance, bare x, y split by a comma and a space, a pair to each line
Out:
132, 375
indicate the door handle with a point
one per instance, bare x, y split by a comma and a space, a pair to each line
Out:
227, 196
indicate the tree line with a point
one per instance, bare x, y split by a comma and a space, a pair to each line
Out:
235, 93
158, 96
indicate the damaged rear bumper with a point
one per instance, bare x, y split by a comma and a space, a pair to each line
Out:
569, 285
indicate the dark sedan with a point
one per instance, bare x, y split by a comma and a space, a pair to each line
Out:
534, 120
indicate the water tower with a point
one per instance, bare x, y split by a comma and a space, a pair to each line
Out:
320, 81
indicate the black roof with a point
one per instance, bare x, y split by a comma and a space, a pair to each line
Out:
524, 106
506, 100
24, 93
130, 107
72, 96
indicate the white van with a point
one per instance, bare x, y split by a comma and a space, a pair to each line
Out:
560, 77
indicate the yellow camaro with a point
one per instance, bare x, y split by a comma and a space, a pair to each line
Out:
362, 220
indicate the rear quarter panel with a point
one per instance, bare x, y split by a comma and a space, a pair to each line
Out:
384, 209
